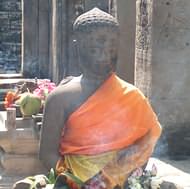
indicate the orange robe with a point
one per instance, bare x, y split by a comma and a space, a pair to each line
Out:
116, 117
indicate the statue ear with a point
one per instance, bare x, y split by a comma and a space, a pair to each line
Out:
75, 47
76, 53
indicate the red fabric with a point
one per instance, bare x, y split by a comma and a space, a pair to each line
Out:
114, 117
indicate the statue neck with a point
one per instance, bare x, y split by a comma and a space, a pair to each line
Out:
94, 80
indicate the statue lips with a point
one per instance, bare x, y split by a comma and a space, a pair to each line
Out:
100, 66
102, 63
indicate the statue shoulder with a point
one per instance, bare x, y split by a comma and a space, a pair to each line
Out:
66, 80
65, 89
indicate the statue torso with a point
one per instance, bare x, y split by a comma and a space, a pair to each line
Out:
74, 93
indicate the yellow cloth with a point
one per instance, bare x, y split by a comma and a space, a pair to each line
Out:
86, 167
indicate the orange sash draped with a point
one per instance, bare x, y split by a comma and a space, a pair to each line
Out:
113, 118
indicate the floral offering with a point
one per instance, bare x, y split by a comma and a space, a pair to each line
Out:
29, 101
44, 88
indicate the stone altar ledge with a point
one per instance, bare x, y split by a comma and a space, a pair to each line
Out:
168, 177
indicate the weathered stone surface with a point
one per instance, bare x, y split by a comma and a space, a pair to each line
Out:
58, 40
162, 67
24, 128
10, 36
164, 185
22, 165
169, 177
143, 46
36, 38
170, 52
126, 15
21, 141
9, 4
178, 140
19, 148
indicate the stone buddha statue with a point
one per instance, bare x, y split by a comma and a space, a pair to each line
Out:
97, 126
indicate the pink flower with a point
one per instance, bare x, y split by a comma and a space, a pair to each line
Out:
44, 88
154, 170
138, 172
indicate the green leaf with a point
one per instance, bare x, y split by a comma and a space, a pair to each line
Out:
64, 187
51, 176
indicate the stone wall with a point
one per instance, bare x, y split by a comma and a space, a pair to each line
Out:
171, 71
28, 20
10, 36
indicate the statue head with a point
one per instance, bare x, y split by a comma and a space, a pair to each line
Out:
97, 34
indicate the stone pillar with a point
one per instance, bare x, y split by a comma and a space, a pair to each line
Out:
144, 79
72, 59
35, 38
126, 16
58, 41
43, 39
30, 39
143, 49
113, 8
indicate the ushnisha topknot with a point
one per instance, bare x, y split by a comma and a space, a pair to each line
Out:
93, 19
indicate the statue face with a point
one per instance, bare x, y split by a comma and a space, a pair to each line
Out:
98, 52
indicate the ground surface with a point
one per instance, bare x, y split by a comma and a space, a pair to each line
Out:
183, 165
7, 182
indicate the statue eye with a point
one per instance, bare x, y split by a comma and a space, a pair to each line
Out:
93, 50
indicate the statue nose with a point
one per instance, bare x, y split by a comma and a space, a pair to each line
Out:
103, 54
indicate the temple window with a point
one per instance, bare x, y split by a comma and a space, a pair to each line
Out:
11, 37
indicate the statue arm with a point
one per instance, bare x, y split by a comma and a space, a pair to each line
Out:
53, 122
